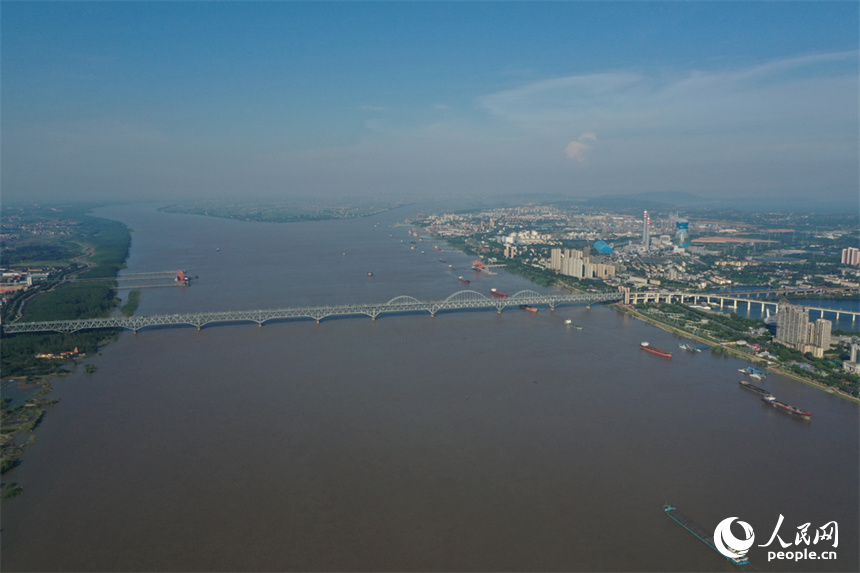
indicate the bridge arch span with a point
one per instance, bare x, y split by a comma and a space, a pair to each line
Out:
525, 293
465, 296
404, 299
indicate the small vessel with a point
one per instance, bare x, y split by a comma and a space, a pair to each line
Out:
787, 408
462, 280
528, 308
442, 261
756, 389
370, 274
435, 247
688, 348
654, 350
450, 266
497, 294
569, 323
700, 532
217, 249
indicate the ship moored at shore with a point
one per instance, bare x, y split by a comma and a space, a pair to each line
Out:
654, 350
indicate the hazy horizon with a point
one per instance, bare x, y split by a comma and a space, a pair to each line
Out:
169, 101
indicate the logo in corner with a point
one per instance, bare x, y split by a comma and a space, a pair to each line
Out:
729, 545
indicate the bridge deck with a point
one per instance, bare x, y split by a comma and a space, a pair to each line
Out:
402, 304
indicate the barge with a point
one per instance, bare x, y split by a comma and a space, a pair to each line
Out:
700, 532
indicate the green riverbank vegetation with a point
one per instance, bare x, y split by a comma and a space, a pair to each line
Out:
74, 247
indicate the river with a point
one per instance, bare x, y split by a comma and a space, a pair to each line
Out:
472, 441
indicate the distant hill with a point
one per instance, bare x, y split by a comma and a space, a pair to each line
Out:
656, 200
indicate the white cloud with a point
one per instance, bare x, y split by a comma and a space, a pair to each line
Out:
575, 150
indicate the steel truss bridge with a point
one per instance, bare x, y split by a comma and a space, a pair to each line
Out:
465, 299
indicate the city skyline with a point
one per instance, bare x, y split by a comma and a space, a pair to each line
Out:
274, 100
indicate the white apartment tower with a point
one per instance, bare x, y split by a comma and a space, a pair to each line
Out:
851, 256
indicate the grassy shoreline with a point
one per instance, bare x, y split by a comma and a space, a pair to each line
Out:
108, 247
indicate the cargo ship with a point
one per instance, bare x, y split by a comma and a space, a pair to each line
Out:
528, 308
497, 294
462, 280
756, 389
654, 350
787, 408
570, 324
700, 532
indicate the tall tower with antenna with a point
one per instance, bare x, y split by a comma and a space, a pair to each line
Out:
646, 231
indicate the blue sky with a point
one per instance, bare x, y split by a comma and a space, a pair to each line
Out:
164, 100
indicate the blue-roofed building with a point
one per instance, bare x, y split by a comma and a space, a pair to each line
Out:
603, 248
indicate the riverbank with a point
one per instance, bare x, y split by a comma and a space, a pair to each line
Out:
31, 360
732, 351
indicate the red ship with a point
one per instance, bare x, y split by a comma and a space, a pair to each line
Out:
528, 308
497, 294
787, 408
654, 350
462, 280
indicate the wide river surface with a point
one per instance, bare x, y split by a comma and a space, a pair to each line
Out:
472, 441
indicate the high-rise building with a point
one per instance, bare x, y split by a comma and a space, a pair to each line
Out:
792, 323
821, 333
682, 233
575, 263
646, 231
851, 256
793, 329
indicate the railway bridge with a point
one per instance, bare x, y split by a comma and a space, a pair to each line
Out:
735, 300
465, 299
